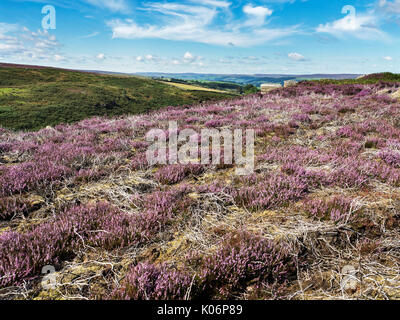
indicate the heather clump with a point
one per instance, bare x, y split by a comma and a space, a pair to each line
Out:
338, 209
30, 175
271, 191
153, 282
22, 255
158, 210
176, 173
390, 157
244, 259
11, 207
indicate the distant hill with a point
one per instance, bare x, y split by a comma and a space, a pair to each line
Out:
33, 97
384, 77
255, 79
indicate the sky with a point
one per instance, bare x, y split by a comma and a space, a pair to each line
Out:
209, 36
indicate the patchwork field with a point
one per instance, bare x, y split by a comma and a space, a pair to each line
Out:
318, 219
191, 87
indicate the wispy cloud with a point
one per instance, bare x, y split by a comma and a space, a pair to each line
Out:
20, 43
91, 35
113, 5
389, 7
361, 26
195, 22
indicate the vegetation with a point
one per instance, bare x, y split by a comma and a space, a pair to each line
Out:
33, 98
244, 79
214, 85
324, 197
368, 79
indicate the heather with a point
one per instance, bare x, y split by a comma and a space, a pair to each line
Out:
152, 282
324, 195
242, 259
22, 255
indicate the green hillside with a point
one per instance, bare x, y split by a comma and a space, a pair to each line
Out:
367, 79
33, 98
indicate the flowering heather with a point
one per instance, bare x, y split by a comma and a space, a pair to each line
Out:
12, 206
151, 282
176, 173
319, 149
271, 192
243, 258
390, 157
22, 255
158, 209
337, 209
30, 175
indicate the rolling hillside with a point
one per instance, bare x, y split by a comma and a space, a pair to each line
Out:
245, 79
33, 97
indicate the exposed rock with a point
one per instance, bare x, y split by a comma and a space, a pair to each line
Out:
266, 87
290, 83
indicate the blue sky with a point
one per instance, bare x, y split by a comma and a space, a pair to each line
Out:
209, 36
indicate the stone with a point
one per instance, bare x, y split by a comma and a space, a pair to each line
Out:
266, 87
290, 83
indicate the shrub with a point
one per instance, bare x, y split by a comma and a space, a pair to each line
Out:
153, 282
172, 174
30, 175
337, 209
22, 255
390, 157
158, 210
270, 192
243, 258
12, 206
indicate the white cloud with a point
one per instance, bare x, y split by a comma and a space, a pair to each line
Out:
196, 22
257, 15
101, 56
388, 58
390, 7
188, 56
19, 44
358, 26
296, 56
58, 58
147, 58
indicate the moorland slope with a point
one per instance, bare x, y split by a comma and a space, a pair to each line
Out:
318, 219
32, 98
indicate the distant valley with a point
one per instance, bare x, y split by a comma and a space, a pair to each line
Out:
255, 79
